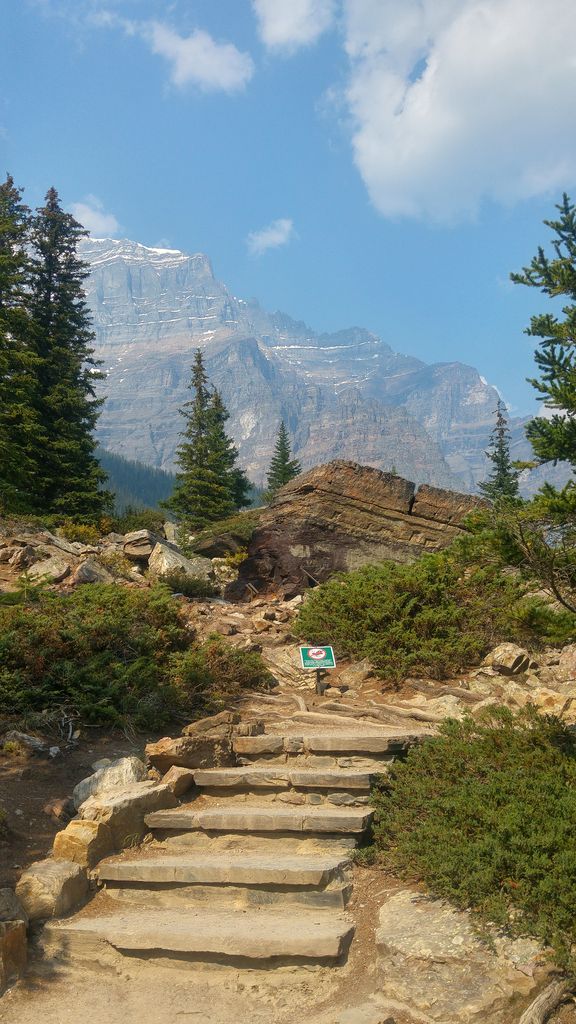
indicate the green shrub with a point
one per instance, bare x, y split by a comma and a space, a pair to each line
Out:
80, 532
139, 519
435, 617
241, 526
179, 582
485, 816
216, 671
110, 655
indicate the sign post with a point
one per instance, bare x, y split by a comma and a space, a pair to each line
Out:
320, 659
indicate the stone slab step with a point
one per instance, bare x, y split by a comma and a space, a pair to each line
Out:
264, 818
330, 742
151, 895
238, 869
277, 777
251, 935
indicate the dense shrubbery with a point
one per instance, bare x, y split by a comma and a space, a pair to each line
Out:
110, 655
485, 815
179, 582
437, 616
139, 519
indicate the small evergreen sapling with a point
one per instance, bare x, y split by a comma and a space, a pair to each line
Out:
282, 467
503, 480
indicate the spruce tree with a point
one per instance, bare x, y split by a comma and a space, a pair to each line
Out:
554, 438
208, 485
503, 480
68, 476
20, 432
282, 467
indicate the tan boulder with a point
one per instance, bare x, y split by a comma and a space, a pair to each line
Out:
84, 842
180, 780
50, 888
508, 659
203, 751
124, 810
13, 952
565, 670
208, 725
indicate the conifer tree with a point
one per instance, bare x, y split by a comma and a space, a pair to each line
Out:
208, 485
68, 476
503, 479
20, 433
554, 438
282, 467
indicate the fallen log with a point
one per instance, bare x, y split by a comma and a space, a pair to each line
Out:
549, 1000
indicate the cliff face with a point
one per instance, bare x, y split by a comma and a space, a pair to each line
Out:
341, 516
343, 394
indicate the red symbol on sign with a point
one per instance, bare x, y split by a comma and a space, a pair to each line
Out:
317, 653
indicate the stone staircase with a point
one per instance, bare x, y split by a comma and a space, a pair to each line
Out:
255, 869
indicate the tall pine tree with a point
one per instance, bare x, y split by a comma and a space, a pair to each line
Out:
209, 486
282, 467
503, 480
20, 431
554, 438
68, 476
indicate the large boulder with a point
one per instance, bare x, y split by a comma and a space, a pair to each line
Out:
139, 545
201, 751
124, 810
116, 775
53, 570
165, 559
508, 660
434, 962
341, 516
91, 571
50, 888
83, 842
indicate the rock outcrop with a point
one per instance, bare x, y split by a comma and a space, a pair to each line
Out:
340, 516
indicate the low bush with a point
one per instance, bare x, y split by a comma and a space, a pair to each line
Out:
485, 816
435, 617
80, 532
179, 582
139, 519
111, 656
215, 671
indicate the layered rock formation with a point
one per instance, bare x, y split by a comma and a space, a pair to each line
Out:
346, 394
340, 516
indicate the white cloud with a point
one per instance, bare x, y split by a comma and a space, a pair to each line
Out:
198, 59
278, 233
289, 24
92, 215
458, 101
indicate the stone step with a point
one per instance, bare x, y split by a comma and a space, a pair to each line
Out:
281, 777
221, 869
327, 742
197, 934
263, 818
238, 897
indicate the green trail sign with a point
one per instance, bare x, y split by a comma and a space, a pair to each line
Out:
317, 657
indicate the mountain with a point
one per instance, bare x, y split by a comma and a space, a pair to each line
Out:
343, 395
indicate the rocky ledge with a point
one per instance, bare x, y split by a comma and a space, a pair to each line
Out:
341, 516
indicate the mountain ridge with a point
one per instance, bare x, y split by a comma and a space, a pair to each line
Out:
344, 394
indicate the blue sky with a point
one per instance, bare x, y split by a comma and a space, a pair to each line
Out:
383, 163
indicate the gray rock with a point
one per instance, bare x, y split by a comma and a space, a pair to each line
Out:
50, 888
11, 908
139, 544
53, 570
433, 961
116, 775
508, 659
91, 571
165, 559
